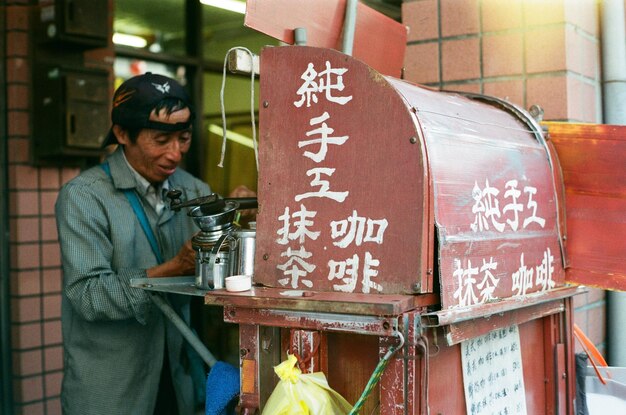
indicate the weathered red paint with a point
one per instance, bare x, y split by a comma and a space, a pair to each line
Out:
324, 21
593, 158
453, 316
328, 302
484, 170
458, 332
427, 370
249, 345
379, 166
312, 321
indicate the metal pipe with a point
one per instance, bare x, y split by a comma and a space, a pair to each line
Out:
184, 329
614, 92
299, 36
6, 369
613, 62
349, 24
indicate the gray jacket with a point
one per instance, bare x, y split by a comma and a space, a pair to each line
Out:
113, 336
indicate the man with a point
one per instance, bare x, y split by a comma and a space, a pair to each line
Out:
121, 354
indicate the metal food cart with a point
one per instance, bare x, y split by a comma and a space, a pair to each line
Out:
423, 229
393, 216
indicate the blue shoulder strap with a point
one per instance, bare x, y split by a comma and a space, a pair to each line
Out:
141, 215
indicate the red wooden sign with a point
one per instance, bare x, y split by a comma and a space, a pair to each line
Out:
378, 40
495, 201
593, 158
358, 171
342, 202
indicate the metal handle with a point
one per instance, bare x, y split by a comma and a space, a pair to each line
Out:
210, 204
213, 256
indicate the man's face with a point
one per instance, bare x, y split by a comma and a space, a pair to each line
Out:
156, 154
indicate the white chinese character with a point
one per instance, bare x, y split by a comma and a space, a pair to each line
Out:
301, 224
353, 229
480, 223
513, 193
369, 272
283, 231
324, 140
375, 230
308, 88
296, 268
346, 271
489, 283
545, 271
326, 84
486, 206
323, 184
465, 283
522, 279
532, 205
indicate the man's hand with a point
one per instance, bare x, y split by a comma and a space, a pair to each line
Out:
184, 263
243, 191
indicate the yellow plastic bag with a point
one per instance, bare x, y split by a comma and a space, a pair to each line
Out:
303, 394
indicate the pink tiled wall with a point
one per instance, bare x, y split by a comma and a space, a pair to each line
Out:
35, 272
525, 51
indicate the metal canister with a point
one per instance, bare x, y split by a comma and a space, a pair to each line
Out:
246, 241
213, 266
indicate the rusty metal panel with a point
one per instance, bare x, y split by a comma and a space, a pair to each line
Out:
342, 188
568, 340
392, 381
312, 321
494, 197
593, 158
249, 367
445, 373
322, 302
351, 361
538, 344
456, 333
260, 351
307, 345
539, 390
561, 379
552, 338
452, 316
323, 21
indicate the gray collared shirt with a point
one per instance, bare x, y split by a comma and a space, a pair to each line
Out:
113, 336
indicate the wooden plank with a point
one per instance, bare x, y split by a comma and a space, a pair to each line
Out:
451, 316
327, 302
456, 333
561, 379
339, 323
593, 160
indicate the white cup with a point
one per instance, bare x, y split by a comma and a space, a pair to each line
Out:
237, 283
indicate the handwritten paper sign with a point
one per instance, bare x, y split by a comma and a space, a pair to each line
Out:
493, 375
